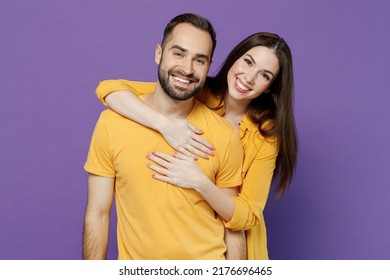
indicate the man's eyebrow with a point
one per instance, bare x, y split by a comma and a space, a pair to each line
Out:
199, 55
254, 62
179, 48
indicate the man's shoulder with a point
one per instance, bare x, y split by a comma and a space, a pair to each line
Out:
109, 114
112, 119
213, 117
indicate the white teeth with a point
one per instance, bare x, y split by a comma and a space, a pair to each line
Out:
241, 86
182, 80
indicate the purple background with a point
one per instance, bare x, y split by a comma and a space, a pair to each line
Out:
53, 54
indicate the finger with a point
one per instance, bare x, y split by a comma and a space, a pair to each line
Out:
163, 156
158, 160
202, 149
196, 152
199, 149
182, 156
203, 142
160, 170
184, 151
162, 178
194, 128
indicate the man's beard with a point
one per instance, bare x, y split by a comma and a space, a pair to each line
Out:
176, 92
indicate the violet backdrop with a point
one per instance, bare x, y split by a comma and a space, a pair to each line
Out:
53, 54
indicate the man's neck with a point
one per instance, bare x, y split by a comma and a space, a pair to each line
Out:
161, 102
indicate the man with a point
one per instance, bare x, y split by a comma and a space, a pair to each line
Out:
157, 220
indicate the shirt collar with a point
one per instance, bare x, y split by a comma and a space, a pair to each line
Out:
246, 125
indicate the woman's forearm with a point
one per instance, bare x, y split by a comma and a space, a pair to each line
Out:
122, 97
182, 171
219, 199
130, 106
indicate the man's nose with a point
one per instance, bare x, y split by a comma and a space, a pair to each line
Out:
187, 66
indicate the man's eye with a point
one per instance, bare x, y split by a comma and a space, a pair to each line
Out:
200, 61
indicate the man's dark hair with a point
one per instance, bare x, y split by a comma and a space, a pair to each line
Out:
197, 21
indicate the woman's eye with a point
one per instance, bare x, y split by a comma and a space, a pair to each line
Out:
265, 76
247, 61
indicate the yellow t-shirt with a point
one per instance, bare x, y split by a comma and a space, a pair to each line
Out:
258, 167
155, 219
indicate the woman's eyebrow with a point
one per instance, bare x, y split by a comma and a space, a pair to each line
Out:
254, 62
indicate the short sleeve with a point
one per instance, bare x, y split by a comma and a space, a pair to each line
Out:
99, 160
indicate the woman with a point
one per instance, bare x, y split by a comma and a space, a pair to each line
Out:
253, 90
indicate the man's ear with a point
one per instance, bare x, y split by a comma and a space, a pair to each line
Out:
158, 54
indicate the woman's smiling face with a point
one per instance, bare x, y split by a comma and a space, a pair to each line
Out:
253, 73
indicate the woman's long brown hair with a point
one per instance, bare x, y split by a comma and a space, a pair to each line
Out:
275, 106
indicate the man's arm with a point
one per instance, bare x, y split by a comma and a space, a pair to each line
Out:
235, 245
97, 217
235, 240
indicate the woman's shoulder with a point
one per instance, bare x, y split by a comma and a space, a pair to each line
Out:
211, 100
255, 138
